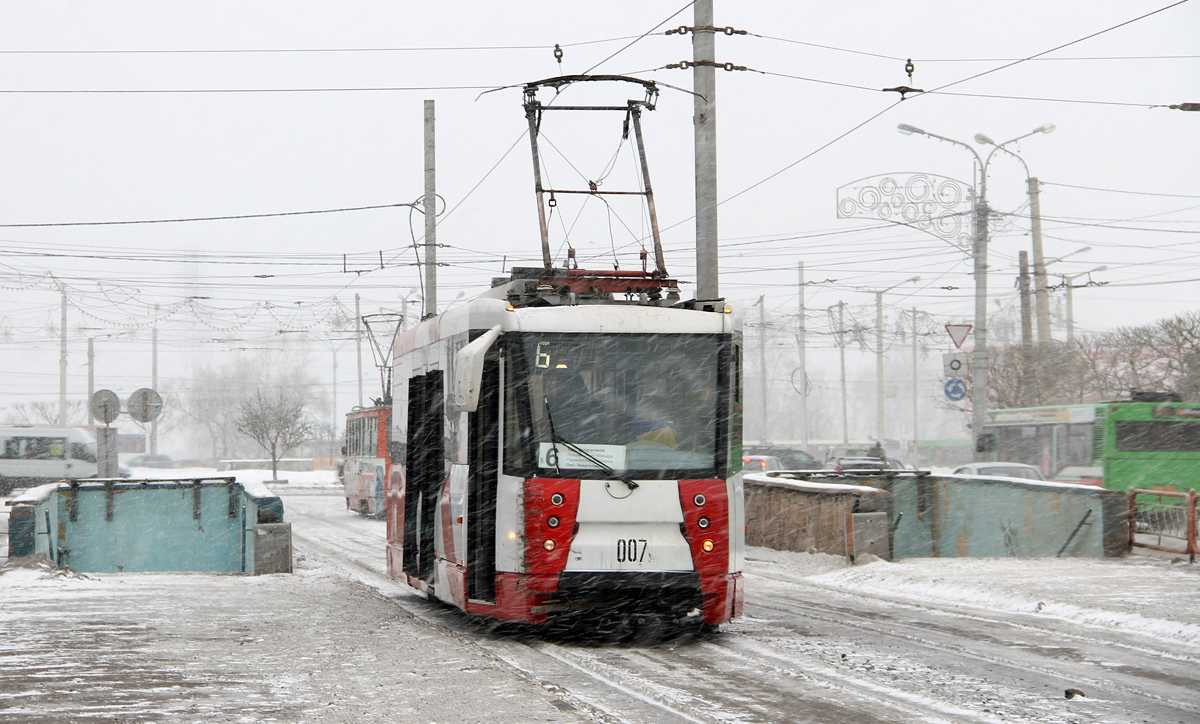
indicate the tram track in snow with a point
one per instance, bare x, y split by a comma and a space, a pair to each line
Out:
1048, 648
789, 659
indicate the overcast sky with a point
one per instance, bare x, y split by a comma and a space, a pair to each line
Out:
139, 111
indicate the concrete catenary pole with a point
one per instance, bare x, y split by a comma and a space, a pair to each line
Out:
916, 446
358, 345
979, 356
800, 331
154, 380
1030, 393
1041, 288
430, 204
762, 362
91, 384
841, 338
704, 83
879, 367
62, 365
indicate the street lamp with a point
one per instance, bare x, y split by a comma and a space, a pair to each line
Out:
879, 356
1041, 289
979, 358
1067, 279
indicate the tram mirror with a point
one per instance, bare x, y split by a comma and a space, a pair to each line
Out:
468, 372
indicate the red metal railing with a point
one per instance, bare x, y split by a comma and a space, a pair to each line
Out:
1164, 514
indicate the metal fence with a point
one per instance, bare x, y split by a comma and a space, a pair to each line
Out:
1164, 521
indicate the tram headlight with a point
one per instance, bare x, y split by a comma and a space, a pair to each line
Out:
699, 499
549, 544
557, 499
703, 523
552, 521
707, 545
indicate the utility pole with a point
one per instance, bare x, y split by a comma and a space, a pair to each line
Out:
62, 365
704, 84
762, 361
154, 380
91, 384
1030, 392
979, 356
358, 343
430, 205
841, 343
1042, 289
803, 369
879, 367
916, 446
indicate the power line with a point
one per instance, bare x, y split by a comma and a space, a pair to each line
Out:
638, 38
383, 89
203, 218
199, 51
1059, 47
1119, 191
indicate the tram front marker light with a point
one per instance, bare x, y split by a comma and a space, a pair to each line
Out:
548, 544
707, 545
703, 523
557, 499
699, 499
552, 521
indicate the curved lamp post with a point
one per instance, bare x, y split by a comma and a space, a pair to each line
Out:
979, 358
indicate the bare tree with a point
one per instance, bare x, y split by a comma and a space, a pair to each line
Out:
276, 421
45, 413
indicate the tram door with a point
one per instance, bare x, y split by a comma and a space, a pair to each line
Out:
481, 491
425, 471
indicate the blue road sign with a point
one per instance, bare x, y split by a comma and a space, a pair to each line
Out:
955, 389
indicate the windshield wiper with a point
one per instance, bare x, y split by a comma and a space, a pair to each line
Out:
555, 439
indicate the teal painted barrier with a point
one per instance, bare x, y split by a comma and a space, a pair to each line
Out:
113, 526
945, 516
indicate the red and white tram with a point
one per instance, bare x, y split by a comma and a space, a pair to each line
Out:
570, 458
569, 443
367, 458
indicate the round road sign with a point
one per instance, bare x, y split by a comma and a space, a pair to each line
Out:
144, 405
105, 406
955, 389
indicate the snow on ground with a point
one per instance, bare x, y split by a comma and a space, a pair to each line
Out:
307, 480
1149, 595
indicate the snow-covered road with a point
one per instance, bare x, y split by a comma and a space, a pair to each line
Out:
981, 640
920, 641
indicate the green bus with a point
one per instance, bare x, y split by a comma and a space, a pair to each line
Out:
1120, 445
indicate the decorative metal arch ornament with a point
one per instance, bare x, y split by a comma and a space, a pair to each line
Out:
935, 204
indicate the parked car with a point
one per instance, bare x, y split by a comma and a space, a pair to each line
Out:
857, 465
761, 463
151, 461
1005, 470
793, 458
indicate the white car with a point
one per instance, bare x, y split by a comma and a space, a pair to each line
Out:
1004, 470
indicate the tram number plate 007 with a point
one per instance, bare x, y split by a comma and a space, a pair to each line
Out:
631, 550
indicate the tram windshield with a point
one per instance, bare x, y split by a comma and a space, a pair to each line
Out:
638, 404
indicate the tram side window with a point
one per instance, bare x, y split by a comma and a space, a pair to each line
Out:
35, 448
83, 451
1075, 445
1158, 436
1029, 444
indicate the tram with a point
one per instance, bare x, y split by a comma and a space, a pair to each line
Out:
568, 444
367, 459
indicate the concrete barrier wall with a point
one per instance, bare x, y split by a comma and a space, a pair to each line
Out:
937, 516
794, 515
114, 526
945, 516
